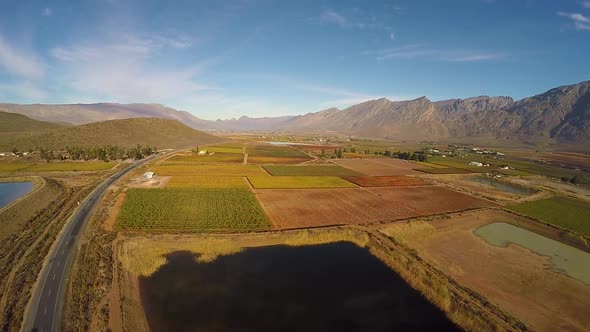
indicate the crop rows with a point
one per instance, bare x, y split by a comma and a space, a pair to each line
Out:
185, 169
182, 209
562, 212
331, 170
298, 182
207, 182
219, 157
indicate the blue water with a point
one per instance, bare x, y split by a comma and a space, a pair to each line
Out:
11, 191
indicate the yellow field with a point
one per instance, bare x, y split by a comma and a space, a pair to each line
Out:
186, 169
13, 167
218, 157
207, 182
225, 148
298, 182
71, 166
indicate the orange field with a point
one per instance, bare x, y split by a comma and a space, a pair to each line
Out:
321, 207
387, 181
379, 166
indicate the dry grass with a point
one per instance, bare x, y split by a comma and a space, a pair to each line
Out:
143, 256
404, 232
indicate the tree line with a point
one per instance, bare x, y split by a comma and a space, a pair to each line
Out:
104, 153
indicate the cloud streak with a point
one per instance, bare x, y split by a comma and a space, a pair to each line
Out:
580, 21
19, 62
420, 51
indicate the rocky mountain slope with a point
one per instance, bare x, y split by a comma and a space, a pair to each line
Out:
560, 115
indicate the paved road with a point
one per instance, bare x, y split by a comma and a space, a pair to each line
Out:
47, 300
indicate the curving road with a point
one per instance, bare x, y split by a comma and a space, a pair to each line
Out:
47, 298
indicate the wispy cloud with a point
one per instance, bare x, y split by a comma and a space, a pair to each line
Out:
47, 12
580, 21
19, 62
123, 69
330, 16
586, 4
392, 35
421, 51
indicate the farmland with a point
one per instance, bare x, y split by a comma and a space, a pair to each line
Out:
226, 148
56, 167
188, 169
514, 277
298, 182
13, 167
328, 170
182, 209
562, 212
387, 181
445, 170
379, 166
207, 182
274, 151
218, 157
320, 207
71, 166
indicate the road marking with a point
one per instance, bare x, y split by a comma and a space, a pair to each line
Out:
63, 251
54, 276
45, 311
49, 292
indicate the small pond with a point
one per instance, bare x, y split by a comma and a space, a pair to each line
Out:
513, 189
11, 191
330, 287
564, 258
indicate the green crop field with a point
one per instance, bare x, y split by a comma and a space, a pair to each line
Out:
447, 170
182, 209
274, 151
298, 182
207, 182
217, 157
184, 169
458, 163
63, 167
225, 148
427, 164
13, 167
327, 170
563, 212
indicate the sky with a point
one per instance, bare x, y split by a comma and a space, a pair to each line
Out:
224, 59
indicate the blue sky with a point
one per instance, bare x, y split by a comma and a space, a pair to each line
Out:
223, 59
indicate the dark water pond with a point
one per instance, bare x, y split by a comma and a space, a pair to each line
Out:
513, 189
10, 191
331, 287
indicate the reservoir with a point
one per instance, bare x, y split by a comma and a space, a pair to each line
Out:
330, 287
513, 189
11, 191
563, 258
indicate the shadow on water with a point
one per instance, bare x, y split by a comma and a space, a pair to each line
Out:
331, 287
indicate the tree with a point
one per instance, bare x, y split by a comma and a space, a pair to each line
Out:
323, 154
353, 149
14, 150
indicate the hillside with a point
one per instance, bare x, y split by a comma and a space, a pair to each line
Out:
13, 123
162, 133
89, 113
560, 115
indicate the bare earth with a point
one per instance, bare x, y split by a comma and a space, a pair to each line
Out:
515, 278
379, 166
320, 207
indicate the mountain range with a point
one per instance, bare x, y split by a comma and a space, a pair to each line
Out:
560, 115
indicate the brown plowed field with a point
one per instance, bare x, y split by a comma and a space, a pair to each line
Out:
379, 166
289, 208
387, 181
431, 200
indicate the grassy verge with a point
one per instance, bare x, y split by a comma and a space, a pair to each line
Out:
64, 167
